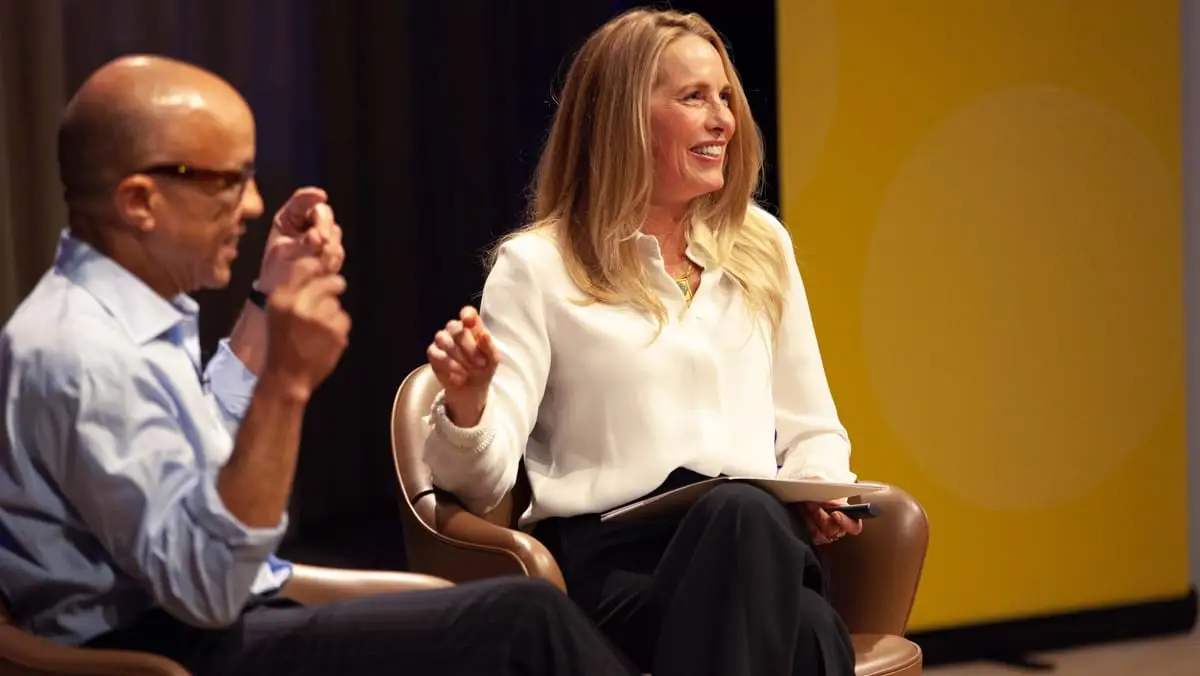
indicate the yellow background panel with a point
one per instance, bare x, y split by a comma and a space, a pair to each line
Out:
985, 199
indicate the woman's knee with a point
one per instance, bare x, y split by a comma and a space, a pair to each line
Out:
750, 520
736, 498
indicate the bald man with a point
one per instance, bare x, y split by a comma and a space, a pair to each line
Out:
142, 496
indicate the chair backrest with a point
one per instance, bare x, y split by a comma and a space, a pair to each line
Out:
420, 500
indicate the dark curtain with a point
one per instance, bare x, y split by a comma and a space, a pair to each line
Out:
432, 118
424, 121
265, 48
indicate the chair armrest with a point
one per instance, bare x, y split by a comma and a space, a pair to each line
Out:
457, 528
314, 585
22, 653
874, 575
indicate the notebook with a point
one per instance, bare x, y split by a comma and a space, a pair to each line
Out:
785, 490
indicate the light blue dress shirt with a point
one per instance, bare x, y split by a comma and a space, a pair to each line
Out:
111, 440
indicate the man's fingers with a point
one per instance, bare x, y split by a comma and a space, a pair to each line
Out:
332, 256
319, 291
328, 285
341, 322
289, 248
319, 224
314, 239
299, 273
327, 309
312, 193
321, 217
293, 218
333, 253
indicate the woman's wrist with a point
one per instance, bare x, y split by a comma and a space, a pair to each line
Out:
465, 410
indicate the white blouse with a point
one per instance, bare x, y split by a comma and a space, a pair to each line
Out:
601, 414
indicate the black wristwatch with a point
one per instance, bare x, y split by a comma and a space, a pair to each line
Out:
258, 297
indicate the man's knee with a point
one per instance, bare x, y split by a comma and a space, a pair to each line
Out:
517, 592
540, 612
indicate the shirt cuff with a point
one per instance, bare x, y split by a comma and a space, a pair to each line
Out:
212, 515
272, 576
474, 438
229, 381
816, 464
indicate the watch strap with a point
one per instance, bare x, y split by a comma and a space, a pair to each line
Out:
257, 297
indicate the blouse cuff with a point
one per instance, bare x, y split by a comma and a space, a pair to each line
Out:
474, 438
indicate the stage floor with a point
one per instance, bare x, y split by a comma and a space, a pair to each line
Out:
1172, 656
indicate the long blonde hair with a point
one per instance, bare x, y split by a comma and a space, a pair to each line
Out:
593, 182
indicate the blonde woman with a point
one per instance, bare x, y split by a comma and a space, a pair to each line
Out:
647, 329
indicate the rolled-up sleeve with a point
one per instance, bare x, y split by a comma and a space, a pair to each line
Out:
132, 474
230, 385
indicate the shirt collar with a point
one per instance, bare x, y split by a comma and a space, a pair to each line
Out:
144, 314
650, 247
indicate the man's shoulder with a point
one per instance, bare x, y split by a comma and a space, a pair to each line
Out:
59, 333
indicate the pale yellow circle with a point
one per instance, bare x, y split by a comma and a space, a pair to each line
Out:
1022, 298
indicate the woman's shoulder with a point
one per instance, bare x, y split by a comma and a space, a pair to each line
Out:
533, 249
756, 213
532, 244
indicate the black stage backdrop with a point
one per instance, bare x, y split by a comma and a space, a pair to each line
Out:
424, 121
431, 117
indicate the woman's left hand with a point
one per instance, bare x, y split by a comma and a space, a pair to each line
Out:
826, 527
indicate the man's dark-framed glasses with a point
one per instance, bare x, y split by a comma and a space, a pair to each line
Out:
221, 179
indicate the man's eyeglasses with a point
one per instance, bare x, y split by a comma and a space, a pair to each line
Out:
221, 179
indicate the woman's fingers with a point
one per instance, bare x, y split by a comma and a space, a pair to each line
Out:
462, 351
449, 372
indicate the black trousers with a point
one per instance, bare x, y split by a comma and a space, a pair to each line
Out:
734, 587
505, 626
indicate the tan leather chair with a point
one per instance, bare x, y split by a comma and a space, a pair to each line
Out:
23, 654
874, 575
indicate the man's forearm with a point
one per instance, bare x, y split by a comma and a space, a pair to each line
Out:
256, 483
248, 340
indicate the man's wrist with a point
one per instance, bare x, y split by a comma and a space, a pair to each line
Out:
257, 297
283, 390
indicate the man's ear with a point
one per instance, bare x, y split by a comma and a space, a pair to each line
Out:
133, 201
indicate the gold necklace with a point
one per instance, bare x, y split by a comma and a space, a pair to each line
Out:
685, 283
